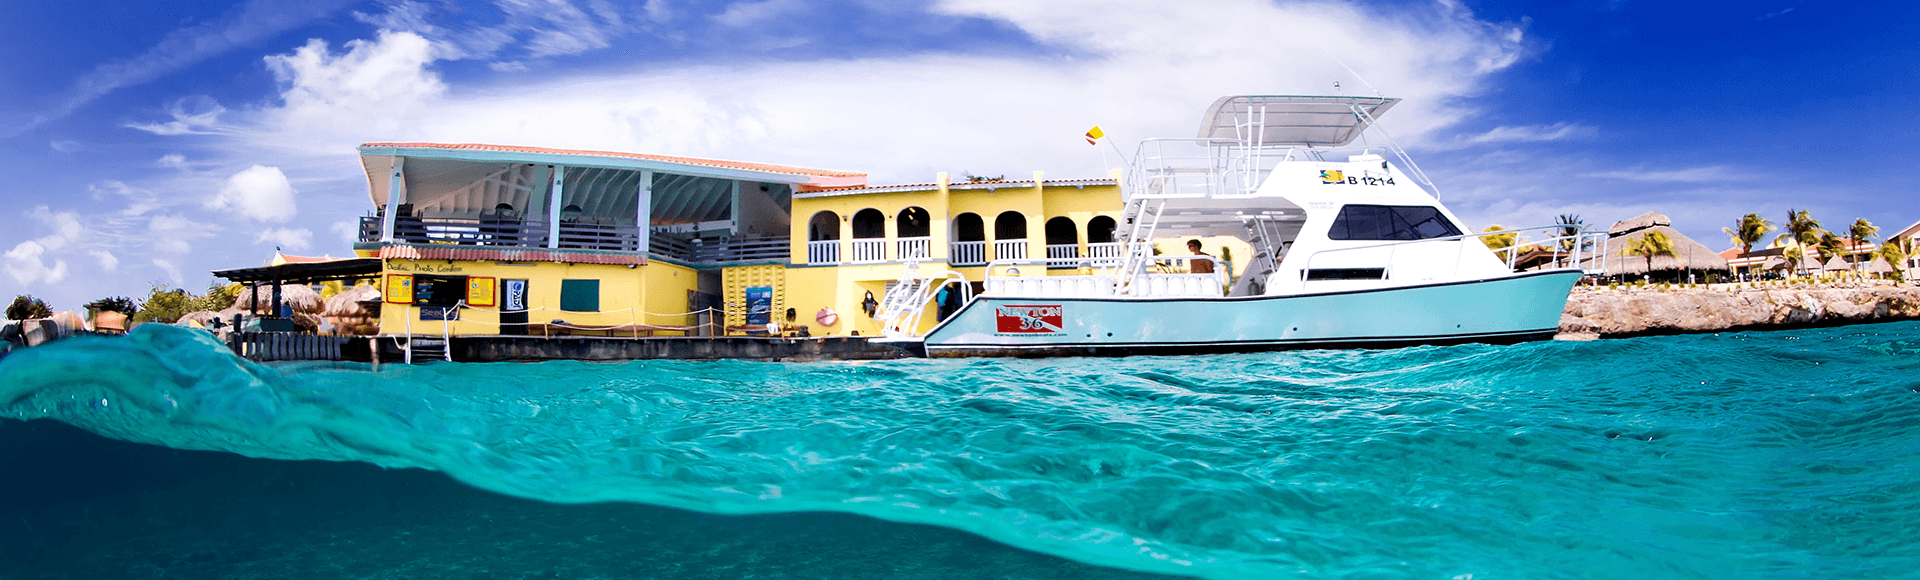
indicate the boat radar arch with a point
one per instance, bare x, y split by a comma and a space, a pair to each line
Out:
1292, 120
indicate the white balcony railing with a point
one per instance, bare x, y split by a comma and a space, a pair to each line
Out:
1104, 251
823, 252
1063, 255
869, 251
915, 248
1010, 249
969, 253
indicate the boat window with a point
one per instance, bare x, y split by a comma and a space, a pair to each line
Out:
1391, 222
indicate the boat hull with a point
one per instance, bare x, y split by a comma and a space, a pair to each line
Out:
1518, 308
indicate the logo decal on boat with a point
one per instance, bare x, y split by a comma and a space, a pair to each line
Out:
1332, 176
1027, 318
1336, 177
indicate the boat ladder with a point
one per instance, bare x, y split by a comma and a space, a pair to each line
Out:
429, 346
900, 311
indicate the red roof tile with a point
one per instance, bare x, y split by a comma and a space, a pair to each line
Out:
506, 255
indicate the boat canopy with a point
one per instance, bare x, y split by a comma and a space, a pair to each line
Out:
1292, 120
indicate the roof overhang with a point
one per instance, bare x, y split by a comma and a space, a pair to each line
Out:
306, 272
379, 158
1313, 121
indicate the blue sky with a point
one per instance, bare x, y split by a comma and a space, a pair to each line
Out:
155, 141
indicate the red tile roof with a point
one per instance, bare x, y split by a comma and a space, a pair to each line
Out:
510, 255
787, 169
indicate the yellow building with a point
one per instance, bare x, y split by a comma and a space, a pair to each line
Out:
485, 240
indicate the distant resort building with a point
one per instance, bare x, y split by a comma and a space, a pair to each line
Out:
489, 239
1683, 260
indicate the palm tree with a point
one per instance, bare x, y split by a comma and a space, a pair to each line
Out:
1653, 244
1748, 231
1895, 252
1801, 228
1861, 230
1570, 226
1794, 256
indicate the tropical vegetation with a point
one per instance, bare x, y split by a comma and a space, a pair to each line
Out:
26, 307
1748, 231
1655, 243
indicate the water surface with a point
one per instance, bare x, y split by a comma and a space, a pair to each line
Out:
1740, 455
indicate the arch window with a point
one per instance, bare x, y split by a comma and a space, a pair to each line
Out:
824, 226
969, 240
914, 222
869, 223
1010, 236
1100, 230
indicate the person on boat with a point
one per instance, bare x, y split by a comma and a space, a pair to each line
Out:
1199, 266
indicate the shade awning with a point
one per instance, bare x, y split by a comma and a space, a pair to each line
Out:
307, 272
1279, 120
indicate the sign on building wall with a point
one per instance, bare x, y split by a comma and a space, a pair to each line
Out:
480, 291
513, 295
399, 289
759, 305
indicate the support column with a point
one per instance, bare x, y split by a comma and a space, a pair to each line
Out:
735, 230
396, 189
553, 205
645, 215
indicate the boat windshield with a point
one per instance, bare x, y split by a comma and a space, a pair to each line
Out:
1391, 222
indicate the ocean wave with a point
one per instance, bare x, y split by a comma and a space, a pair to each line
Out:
1732, 455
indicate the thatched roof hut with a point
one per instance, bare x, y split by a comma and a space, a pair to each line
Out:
1687, 254
297, 296
348, 311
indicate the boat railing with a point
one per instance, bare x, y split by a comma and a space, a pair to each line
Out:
1166, 276
1579, 250
1195, 168
906, 301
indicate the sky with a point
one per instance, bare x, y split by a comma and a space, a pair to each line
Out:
154, 142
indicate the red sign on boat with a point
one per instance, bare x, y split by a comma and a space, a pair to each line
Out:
1027, 318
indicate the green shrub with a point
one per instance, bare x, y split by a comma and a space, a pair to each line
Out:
26, 307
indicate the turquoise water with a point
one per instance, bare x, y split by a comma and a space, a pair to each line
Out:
1741, 455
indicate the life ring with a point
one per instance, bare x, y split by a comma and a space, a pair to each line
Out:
827, 317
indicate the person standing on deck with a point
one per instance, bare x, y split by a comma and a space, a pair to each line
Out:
1198, 266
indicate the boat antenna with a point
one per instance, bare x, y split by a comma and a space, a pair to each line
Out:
1356, 74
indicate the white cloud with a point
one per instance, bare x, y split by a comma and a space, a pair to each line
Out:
259, 192
1144, 69
251, 22
65, 145
286, 238
1533, 133
25, 265
751, 13
172, 160
108, 262
1709, 174
172, 270
374, 91
196, 116
172, 234
658, 11
65, 225
349, 231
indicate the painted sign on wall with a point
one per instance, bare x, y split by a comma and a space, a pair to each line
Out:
480, 291
759, 304
399, 289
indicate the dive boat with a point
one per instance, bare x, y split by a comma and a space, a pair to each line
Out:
1352, 248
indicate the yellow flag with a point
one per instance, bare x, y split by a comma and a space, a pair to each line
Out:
1094, 135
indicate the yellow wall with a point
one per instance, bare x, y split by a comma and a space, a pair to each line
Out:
624, 298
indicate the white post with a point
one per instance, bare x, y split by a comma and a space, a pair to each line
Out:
736, 208
645, 219
553, 206
396, 188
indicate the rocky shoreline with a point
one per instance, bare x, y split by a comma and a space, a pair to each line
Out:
1601, 312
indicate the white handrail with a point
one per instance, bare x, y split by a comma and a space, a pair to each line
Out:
1585, 247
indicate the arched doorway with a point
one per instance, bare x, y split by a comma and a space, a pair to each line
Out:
1010, 236
869, 236
1063, 243
969, 240
1100, 244
915, 230
823, 238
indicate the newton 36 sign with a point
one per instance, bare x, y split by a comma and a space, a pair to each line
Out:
1027, 318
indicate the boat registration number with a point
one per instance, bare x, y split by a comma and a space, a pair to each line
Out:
1028, 318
